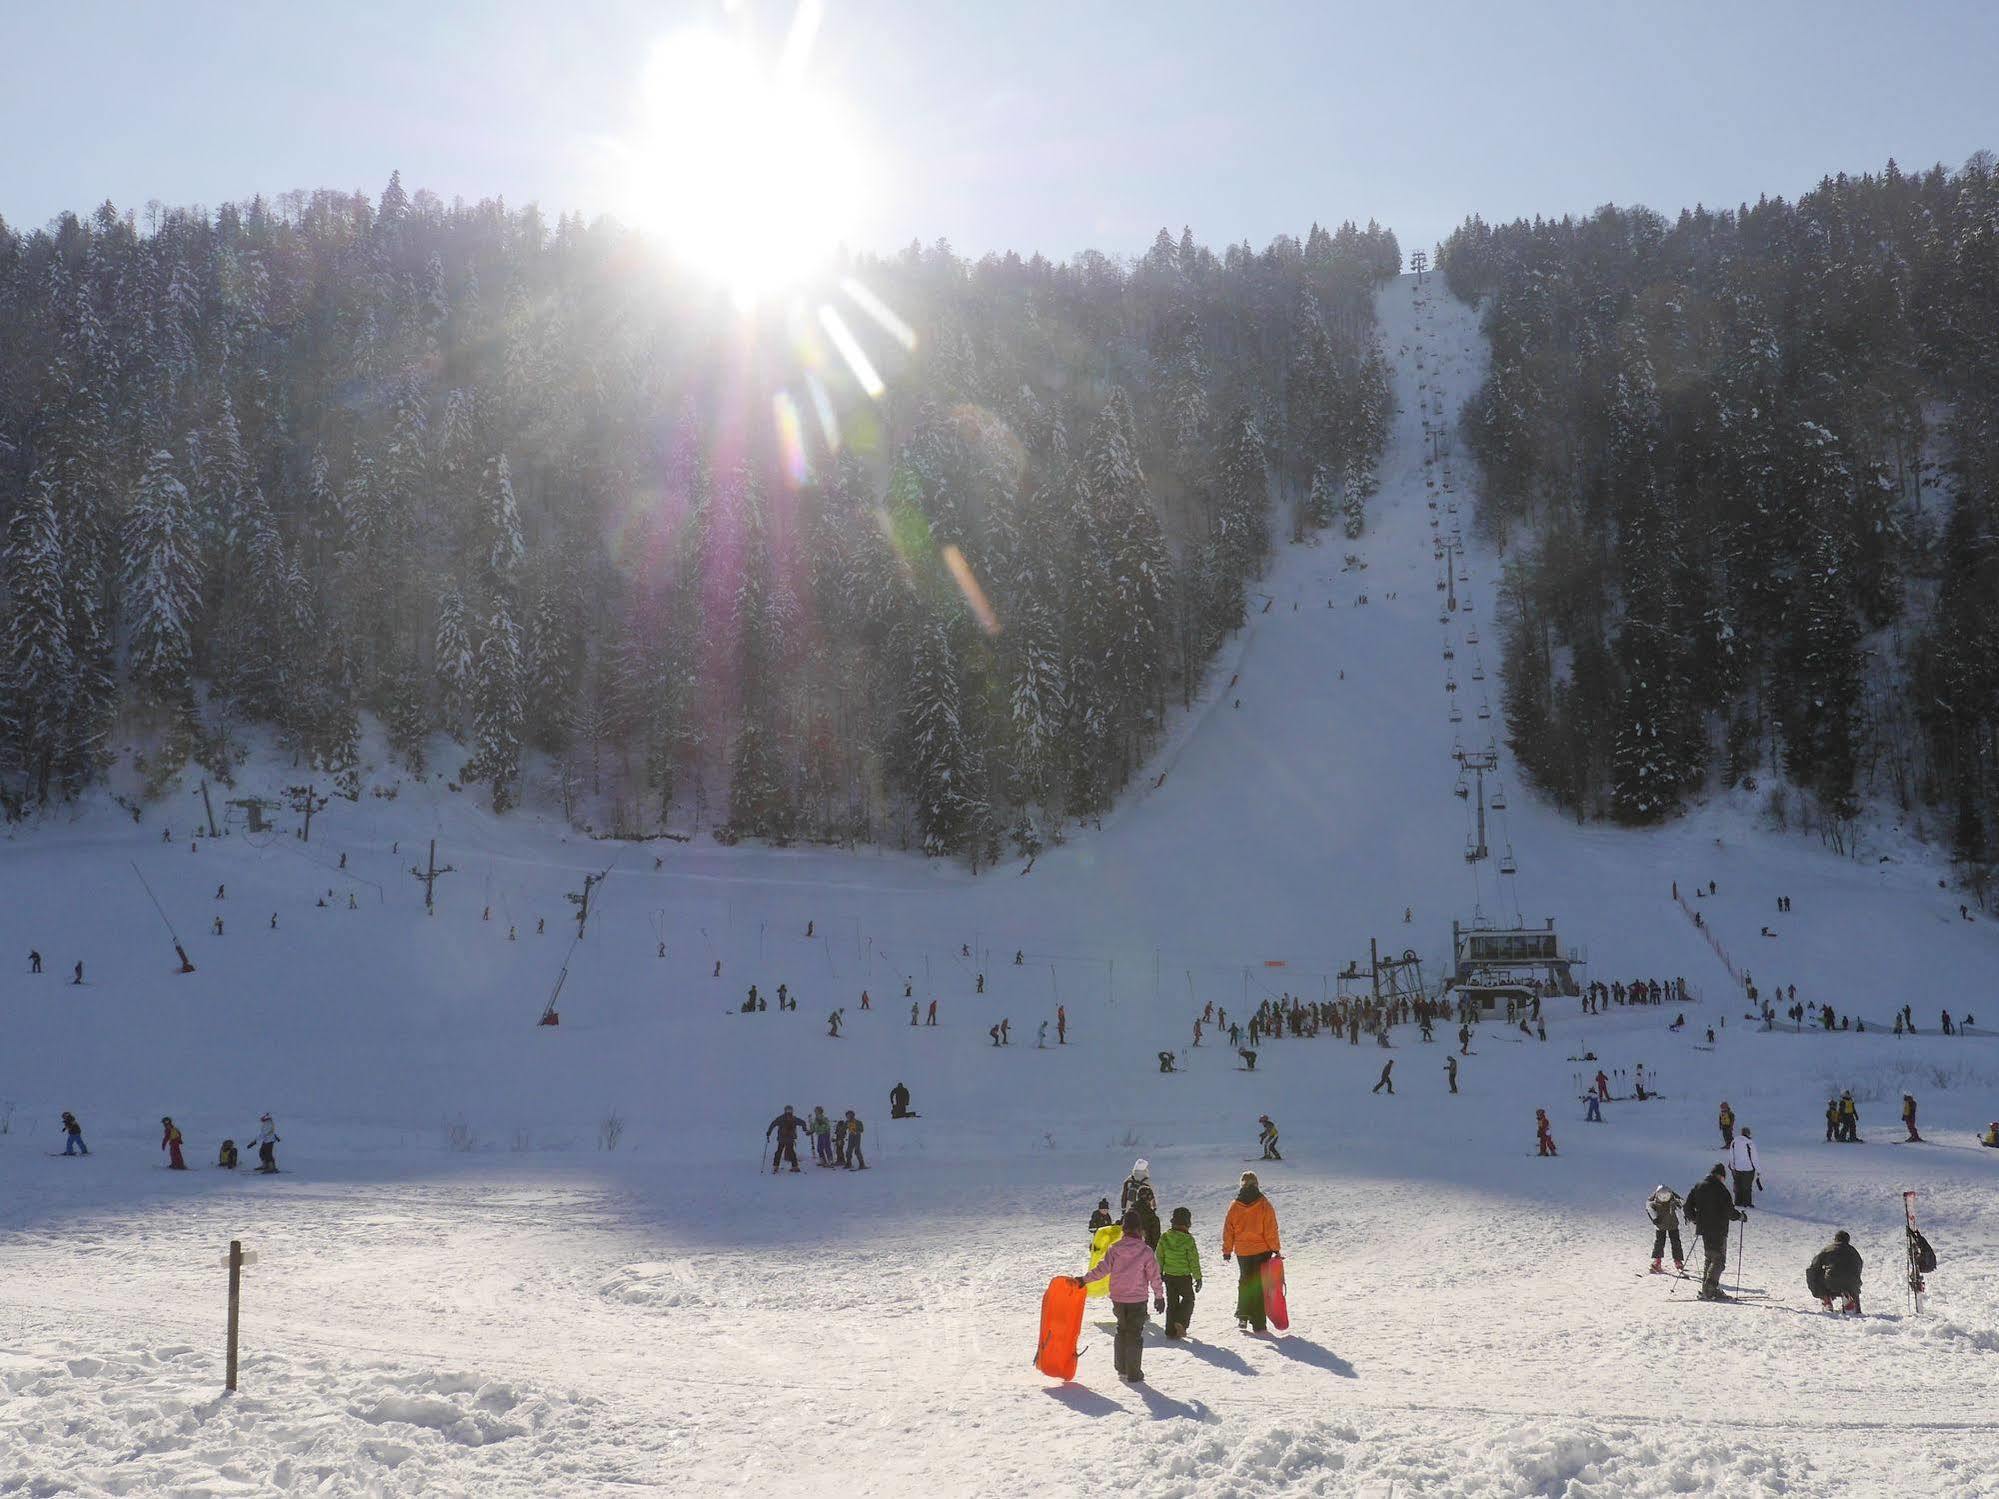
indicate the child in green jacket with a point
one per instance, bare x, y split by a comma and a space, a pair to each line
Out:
1180, 1268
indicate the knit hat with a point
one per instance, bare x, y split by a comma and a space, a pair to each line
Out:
1103, 1202
1249, 1179
1183, 1217
1842, 1237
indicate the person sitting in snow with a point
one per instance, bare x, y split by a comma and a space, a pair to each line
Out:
227, 1158
1835, 1271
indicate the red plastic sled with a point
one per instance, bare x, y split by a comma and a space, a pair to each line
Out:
1273, 1293
1061, 1324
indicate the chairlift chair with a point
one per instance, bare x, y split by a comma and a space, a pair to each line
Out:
1457, 715
1506, 864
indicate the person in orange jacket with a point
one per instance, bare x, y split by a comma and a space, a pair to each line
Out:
1249, 1233
1544, 1136
170, 1142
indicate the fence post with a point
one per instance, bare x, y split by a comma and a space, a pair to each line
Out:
236, 1259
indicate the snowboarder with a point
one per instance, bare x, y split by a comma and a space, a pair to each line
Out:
855, 1160
1018, 958
1909, 1118
274, 921
1602, 1085
1709, 1210
1726, 1118
72, 1135
78, 978
170, 1142
898, 1102
222, 890
786, 1126
1663, 1207
1133, 1270
808, 931
1101, 1218
1742, 1165
34, 961
1180, 1268
1544, 1138
1451, 1072
267, 1144
1385, 1081
226, 1158
1249, 1233
1835, 1271
820, 1128
832, 1024
1267, 1138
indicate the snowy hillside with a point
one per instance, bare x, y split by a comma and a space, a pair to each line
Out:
461, 1291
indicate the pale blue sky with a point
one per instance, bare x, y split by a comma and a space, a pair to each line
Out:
1029, 125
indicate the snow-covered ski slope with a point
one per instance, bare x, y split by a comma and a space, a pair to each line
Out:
460, 1292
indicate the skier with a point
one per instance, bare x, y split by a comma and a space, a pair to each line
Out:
898, 1102
1180, 1268
994, 1033
1709, 1210
930, 1016
1267, 1138
1849, 1119
34, 961
170, 1142
1041, 1037
855, 1160
267, 1144
982, 984
1464, 1040
1006, 1031
1742, 1164
1909, 1118
866, 1004
1197, 1030
1831, 1120
1249, 1232
912, 1012
72, 1135
1451, 1072
787, 1126
1544, 1137
1101, 1218
820, 1128
1248, 1059
1132, 1270
1727, 1117
226, 1159
832, 1023
1663, 1207
78, 979
1602, 1085
1594, 1113
1835, 1271
222, 890
1385, 1081
1018, 957
1061, 1025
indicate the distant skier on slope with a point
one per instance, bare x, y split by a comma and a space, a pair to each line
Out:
1544, 1138
267, 1144
72, 1135
1385, 1080
1451, 1072
1663, 1207
786, 1126
1909, 1118
1726, 1119
1710, 1211
170, 1141
1267, 1138
898, 1102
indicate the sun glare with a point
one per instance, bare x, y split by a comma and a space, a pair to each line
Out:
742, 168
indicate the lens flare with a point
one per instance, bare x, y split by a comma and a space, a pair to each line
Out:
858, 363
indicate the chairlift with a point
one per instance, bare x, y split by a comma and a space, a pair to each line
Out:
1471, 853
1471, 637
1449, 654
1461, 791
1440, 585
1457, 716
1478, 673
1484, 711
1506, 864
1498, 802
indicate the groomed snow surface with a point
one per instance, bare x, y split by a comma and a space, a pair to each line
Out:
460, 1292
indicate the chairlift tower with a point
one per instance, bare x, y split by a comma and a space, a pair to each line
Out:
1479, 763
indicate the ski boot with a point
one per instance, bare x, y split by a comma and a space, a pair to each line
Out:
1657, 1268
1679, 1267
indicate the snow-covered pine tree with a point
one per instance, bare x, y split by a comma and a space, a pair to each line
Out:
497, 719
940, 766
40, 666
162, 587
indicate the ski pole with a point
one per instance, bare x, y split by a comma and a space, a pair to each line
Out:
1741, 1238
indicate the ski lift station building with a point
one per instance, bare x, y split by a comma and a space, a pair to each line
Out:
1491, 964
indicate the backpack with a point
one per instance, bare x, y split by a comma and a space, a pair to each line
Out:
1920, 1251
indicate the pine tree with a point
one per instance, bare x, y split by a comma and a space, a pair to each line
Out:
40, 665
454, 663
497, 717
162, 587
940, 764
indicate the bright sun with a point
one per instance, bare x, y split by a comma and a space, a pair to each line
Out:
744, 171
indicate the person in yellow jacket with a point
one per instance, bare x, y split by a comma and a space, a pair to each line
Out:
1249, 1233
851, 1127
170, 1142
1727, 1122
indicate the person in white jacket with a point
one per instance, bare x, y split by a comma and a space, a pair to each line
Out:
267, 1144
1742, 1165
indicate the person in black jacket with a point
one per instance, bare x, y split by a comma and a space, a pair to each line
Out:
786, 1126
1835, 1271
898, 1098
1101, 1218
1710, 1209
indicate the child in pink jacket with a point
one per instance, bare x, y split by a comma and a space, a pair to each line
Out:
1134, 1270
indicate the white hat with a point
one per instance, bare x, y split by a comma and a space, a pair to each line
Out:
1140, 1167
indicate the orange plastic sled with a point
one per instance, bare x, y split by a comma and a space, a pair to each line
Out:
1061, 1324
1273, 1293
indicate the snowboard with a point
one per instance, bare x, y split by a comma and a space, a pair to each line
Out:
1061, 1324
1273, 1293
